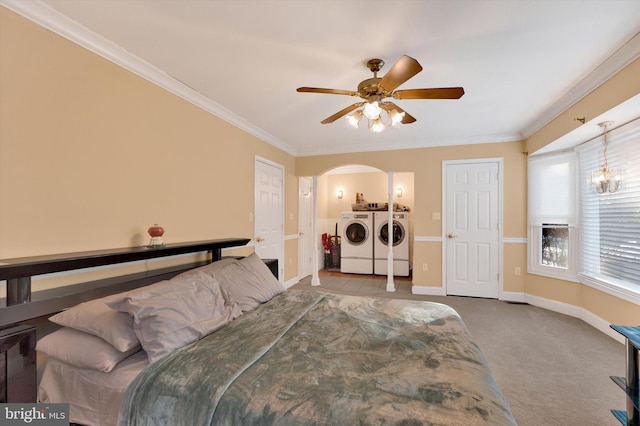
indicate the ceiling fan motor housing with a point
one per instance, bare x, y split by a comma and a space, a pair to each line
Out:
369, 88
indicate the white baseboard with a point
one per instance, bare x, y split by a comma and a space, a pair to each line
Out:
510, 296
551, 305
291, 282
576, 312
427, 290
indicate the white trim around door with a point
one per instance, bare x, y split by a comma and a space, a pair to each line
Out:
269, 211
492, 249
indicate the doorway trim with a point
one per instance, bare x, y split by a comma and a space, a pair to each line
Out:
445, 164
304, 268
263, 160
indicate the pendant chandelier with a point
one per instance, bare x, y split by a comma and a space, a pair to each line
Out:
605, 180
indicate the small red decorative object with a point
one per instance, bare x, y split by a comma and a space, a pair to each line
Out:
156, 231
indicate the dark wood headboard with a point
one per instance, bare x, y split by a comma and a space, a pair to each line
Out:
22, 309
22, 304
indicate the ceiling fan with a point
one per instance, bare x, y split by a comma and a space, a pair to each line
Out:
375, 90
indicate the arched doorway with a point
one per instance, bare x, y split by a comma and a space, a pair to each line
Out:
336, 191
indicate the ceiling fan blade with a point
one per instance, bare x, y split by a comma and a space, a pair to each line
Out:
434, 93
401, 71
388, 106
328, 91
342, 112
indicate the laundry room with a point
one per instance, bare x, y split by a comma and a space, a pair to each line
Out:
350, 199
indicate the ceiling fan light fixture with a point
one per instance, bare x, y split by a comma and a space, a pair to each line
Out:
396, 117
354, 119
372, 110
377, 125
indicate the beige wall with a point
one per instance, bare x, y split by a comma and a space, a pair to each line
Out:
514, 256
91, 155
373, 185
610, 308
618, 89
426, 167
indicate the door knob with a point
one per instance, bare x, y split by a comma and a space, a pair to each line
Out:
259, 240
451, 236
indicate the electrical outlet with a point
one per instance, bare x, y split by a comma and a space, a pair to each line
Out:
517, 271
425, 267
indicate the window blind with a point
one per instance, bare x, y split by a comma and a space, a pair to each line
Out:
552, 189
610, 237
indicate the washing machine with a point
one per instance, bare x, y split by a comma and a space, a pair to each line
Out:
356, 250
400, 243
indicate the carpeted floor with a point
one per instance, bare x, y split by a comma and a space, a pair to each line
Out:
553, 369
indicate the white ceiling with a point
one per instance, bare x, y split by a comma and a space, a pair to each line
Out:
520, 62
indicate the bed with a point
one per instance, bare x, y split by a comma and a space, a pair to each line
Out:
225, 343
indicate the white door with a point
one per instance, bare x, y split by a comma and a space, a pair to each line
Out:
471, 228
269, 211
305, 227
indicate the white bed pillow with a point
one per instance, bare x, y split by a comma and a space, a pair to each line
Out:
209, 268
188, 279
249, 282
115, 325
96, 318
165, 322
82, 350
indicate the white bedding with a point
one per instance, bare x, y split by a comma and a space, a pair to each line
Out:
96, 395
159, 318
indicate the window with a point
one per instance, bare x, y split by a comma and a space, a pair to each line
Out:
555, 245
610, 241
552, 216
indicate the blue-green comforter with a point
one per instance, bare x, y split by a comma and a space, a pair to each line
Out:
308, 358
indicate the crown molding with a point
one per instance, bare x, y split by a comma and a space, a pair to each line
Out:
625, 55
47, 17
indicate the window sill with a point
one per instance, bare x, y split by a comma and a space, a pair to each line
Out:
624, 291
557, 273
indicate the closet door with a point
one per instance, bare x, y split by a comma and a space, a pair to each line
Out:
472, 229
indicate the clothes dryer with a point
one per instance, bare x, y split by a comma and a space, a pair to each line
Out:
400, 235
356, 252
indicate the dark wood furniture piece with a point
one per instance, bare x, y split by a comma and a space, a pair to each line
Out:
630, 384
18, 364
24, 311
